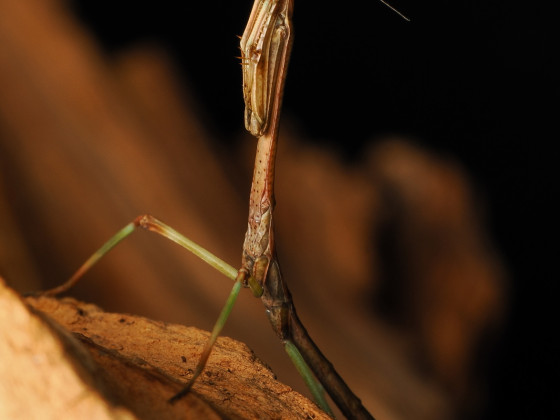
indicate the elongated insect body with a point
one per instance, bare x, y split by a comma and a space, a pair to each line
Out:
265, 48
264, 52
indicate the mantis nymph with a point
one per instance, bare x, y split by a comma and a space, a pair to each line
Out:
265, 48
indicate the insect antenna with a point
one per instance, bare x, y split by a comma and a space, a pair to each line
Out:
395, 10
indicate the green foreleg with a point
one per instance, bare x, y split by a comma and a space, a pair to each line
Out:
317, 390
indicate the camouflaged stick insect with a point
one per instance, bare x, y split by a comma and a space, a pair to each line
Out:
265, 48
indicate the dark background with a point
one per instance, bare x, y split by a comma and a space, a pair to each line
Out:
470, 80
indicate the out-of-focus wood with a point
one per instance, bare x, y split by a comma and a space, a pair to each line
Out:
68, 358
89, 142
452, 277
15, 258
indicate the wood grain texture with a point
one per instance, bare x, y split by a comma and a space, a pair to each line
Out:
72, 358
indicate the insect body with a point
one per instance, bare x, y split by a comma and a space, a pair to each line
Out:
265, 49
264, 52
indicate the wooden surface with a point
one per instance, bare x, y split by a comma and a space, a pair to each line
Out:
72, 359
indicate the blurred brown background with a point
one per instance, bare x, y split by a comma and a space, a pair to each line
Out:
407, 184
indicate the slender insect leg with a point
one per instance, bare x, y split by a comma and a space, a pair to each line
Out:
341, 394
152, 224
315, 387
226, 310
91, 261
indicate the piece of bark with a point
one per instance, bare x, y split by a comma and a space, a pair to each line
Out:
66, 356
44, 372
